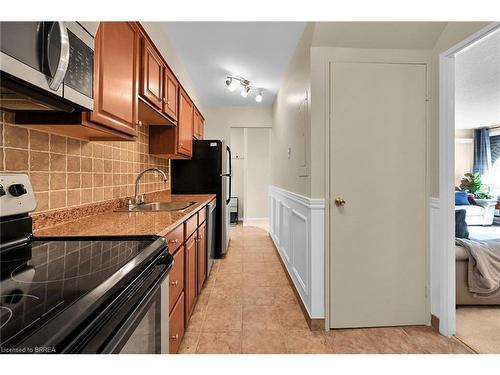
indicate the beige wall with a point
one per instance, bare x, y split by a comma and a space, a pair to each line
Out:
376, 35
257, 172
464, 153
251, 166
67, 172
219, 120
291, 123
237, 144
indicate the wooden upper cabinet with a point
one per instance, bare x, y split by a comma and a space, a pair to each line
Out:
201, 128
152, 75
186, 124
116, 77
170, 94
197, 126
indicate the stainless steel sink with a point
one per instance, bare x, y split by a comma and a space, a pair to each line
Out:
157, 206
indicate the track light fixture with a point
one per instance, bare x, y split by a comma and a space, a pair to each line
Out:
232, 83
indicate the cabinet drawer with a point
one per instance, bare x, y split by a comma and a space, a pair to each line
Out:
191, 225
175, 239
202, 215
176, 278
176, 326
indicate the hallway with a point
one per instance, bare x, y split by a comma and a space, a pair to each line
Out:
248, 306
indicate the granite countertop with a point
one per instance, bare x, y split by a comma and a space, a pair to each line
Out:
111, 223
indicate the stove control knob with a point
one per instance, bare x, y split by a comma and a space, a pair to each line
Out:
17, 190
2, 191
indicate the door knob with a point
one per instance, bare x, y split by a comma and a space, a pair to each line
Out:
339, 201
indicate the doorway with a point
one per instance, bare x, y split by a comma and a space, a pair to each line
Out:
469, 187
251, 174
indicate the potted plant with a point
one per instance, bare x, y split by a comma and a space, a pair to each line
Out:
474, 185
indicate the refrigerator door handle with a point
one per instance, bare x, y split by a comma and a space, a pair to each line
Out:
229, 175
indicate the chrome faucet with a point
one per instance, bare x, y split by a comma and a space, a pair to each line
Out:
139, 199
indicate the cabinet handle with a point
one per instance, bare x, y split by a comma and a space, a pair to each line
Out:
164, 100
174, 241
139, 123
174, 283
175, 337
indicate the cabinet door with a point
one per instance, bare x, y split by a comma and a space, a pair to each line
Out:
202, 255
186, 123
176, 326
171, 92
190, 286
116, 77
152, 75
196, 125
201, 130
176, 278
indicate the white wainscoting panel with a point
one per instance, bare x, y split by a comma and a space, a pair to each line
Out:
436, 256
297, 229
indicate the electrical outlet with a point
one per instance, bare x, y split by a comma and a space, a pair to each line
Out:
289, 153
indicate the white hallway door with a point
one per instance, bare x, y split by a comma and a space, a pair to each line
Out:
378, 166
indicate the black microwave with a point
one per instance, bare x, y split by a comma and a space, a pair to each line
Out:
47, 66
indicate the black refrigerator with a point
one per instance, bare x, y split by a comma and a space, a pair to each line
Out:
208, 172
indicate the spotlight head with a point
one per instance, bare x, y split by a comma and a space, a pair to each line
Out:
244, 92
231, 84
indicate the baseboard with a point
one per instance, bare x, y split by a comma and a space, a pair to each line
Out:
314, 324
435, 322
256, 219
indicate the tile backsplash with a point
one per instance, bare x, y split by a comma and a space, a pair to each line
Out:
67, 172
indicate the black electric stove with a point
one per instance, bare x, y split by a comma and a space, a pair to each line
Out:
74, 295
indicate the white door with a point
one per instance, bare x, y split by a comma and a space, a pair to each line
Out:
378, 166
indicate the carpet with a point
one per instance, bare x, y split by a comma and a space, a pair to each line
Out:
479, 328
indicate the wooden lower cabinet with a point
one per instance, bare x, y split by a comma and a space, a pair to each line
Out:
191, 287
202, 255
175, 238
176, 278
176, 326
188, 274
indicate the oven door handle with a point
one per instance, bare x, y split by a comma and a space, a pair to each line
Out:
62, 66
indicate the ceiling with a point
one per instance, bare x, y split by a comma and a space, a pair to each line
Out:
257, 51
477, 80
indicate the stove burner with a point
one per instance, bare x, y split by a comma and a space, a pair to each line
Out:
9, 311
15, 297
18, 276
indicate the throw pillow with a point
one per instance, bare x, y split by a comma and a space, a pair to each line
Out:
461, 198
461, 229
470, 198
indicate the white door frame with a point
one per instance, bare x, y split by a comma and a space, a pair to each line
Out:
446, 224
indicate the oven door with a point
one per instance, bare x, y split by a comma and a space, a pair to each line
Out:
148, 332
136, 321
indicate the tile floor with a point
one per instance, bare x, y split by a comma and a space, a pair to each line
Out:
248, 306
